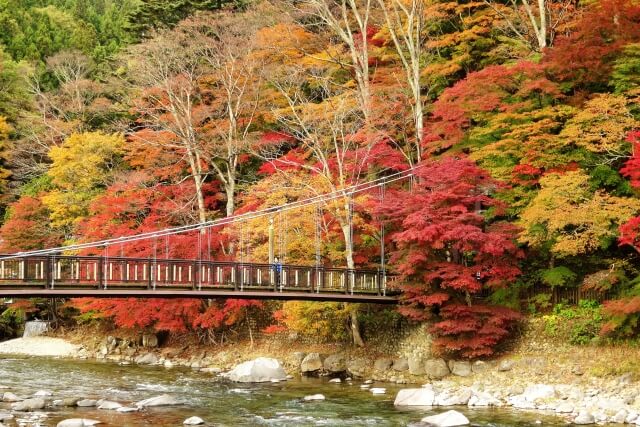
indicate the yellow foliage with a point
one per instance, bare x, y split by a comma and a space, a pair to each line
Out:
601, 126
5, 129
575, 219
324, 321
294, 232
81, 167
284, 43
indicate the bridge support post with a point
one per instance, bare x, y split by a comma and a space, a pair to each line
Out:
149, 273
100, 272
47, 273
194, 268
238, 277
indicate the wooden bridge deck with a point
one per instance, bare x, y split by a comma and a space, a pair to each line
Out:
116, 277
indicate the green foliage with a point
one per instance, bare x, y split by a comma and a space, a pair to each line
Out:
558, 276
37, 29
539, 303
626, 71
578, 325
37, 185
14, 96
155, 14
605, 177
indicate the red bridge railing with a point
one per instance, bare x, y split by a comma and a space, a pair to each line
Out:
96, 272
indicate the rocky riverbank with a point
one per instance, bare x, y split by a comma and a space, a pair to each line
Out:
537, 376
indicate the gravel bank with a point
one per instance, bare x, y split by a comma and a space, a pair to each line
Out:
39, 346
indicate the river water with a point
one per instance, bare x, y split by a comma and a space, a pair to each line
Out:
219, 402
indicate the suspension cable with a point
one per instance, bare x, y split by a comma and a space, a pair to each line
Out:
358, 188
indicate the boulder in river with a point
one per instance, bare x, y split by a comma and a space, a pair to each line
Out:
5, 416
109, 405
10, 397
126, 409
193, 421
86, 403
29, 404
162, 400
69, 401
311, 363
584, 418
78, 422
147, 359
262, 369
314, 397
415, 397
447, 419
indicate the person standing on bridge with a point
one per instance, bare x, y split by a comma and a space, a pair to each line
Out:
277, 270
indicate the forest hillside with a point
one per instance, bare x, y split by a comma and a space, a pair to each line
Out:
521, 121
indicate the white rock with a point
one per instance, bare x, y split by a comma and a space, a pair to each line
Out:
108, 405
539, 391
84, 403
162, 400
481, 398
364, 386
584, 418
519, 402
10, 397
211, 370
262, 369
168, 364
368, 382
633, 415
314, 397
275, 380
193, 421
29, 404
378, 390
415, 397
78, 422
453, 397
126, 409
447, 419
42, 393
564, 408
335, 380
620, 416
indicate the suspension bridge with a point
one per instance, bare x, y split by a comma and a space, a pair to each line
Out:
59, 272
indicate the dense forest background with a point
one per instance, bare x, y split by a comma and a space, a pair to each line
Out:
522, 121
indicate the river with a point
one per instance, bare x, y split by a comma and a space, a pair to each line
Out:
219, 402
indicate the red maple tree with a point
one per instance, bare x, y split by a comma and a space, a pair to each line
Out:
447, 253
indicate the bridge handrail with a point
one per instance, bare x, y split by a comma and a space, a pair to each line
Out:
190, 261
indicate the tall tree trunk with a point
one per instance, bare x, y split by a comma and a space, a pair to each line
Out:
197, 180
348, 252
